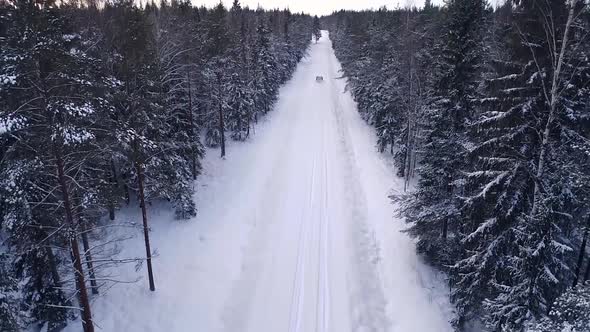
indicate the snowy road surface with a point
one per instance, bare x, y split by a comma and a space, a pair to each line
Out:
295, 232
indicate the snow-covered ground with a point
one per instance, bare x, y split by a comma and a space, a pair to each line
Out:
295, 232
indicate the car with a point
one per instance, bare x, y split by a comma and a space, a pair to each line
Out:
319, 78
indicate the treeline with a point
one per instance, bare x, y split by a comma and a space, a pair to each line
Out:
486, 114
106, 104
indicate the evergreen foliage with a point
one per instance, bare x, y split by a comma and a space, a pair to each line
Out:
486, 111
106, 103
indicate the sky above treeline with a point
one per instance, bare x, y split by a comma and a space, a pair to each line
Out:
318, 7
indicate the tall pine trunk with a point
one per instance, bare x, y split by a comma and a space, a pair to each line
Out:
248, 122
191, 120
113, 180
86, 247
88, 257
53, 266
408, 158
587, 273
127, 193
221, 124
89, 264
87, 324
146, 236
581, 256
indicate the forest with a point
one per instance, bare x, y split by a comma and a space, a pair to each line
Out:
107, 104
485, 112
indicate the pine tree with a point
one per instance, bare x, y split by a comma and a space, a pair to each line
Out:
500, 141
433, 210
317, 32
175, 172
102, 105
58, 84
239, 97
137, 121
265, 83
217, 62
518, 244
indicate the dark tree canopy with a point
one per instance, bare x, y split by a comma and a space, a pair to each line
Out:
486, 111
102, 106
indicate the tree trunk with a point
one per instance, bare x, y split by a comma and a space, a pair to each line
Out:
191, 125
581, 256
240, 129
246, 73
127, 194
146, 236
408, 158
587, 273
113, 180
445, 229
53, 265
248, 121
87, 324
111, 211
414, 155
552, 100
445, 225
221, 124
88, 257
86, 246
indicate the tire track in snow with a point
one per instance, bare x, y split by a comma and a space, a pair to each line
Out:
319, 251
296, 288
369, 302
289, 284
326, 303
299, 287
236, 315
305, 277
322, 292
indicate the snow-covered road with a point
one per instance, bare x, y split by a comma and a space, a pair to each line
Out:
295, 232
296, 276
314, 262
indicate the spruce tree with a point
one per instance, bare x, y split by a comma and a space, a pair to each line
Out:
517, 235
217, 43
433, 209
317, 32
499, 133
265, 83
102, 106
